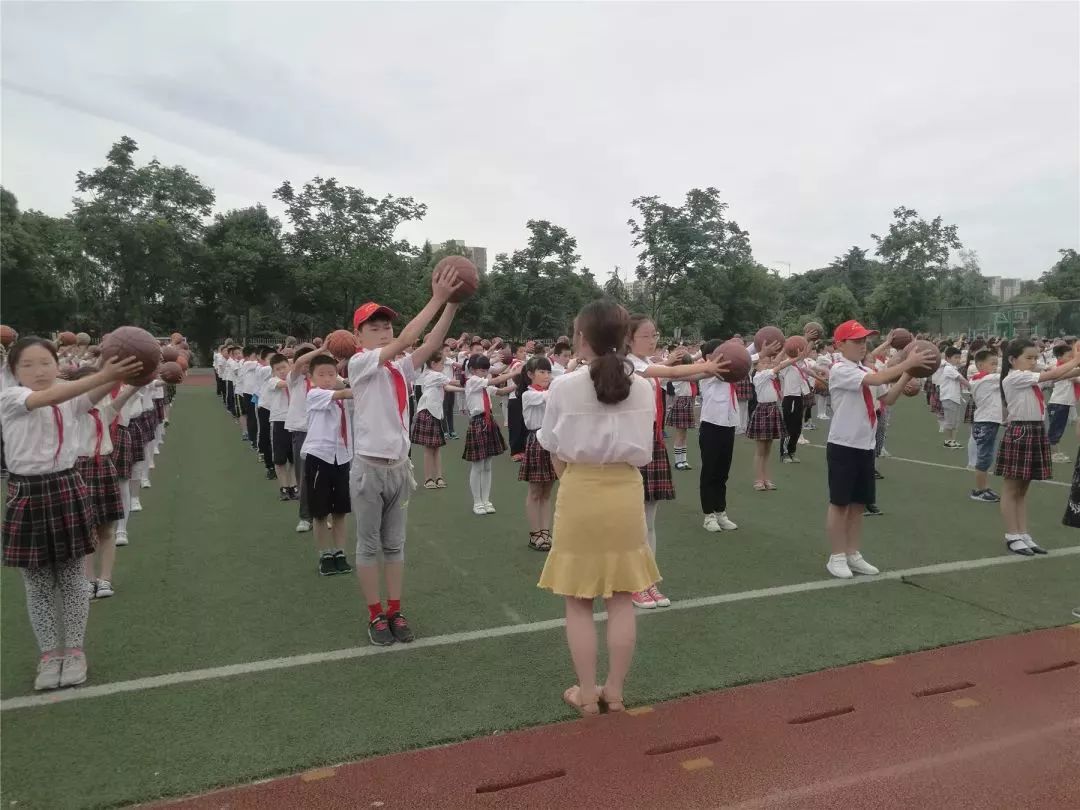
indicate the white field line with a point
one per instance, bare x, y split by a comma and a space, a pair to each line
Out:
288, 662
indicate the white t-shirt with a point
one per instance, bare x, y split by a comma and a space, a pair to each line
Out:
792, 383
260, 379
763, 386
296, 417
533, 405
1064, 392
474, 394
380, 421
1023, 404
950, 384
987, 396
850, 425
32, 444
431, 392
682, 388
246, 376
324, 439
276, 398
87, 434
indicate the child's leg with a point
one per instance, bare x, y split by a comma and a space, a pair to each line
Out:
853, 533
105, 553
581, 639
650, 523
485, 481
743, 415
973, 458
762, 448
430, 463
41, 607
532, 507
836, 526
1012, 494
125, 499
436, 456
475, 485
1021, 506
75, 602
621, 638
545, 506
324, 536
337, 532
680, 445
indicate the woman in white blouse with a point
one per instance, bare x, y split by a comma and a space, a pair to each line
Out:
598, 429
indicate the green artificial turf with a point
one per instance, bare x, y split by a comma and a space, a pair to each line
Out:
216, 575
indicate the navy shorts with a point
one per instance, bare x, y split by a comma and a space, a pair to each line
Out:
1057, 421
851, 475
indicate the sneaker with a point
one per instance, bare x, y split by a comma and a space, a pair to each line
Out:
996, 496
429, 484
785, 459
294, 493
157, 451
1018, 546
1058, 457
953, 445
283, 494
400, 629
379, 632
453, 435
796, 459
641, 599
48, 673
121, 538
341, 563
802, 440
885, 454
838, 567
809, 426
712, 524
857, 565
682, 465
73, 671
489, 508
104, 589
985, 496
725, 523
136, 504
878, 476
478, 509
243, 437
823, 417
303, 526
1031, 544
271, 475
770, 486
657, 597
872, 510
326, 564
145, 483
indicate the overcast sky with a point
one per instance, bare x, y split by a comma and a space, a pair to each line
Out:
814, 120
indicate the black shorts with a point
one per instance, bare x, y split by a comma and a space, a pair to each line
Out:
327, 487
281, 443
851, 475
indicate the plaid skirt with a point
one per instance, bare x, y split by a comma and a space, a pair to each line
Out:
427, 430
656, 475
123, 454
483, 440
969, 412
1024, 452
103, 485
744, 389
934, 400
766, 423
681, 415
48, 520
536, 467
1072, 507
159, 410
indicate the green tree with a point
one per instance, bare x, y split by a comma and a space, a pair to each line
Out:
1063, 279
834, 306
615, 288
963, 286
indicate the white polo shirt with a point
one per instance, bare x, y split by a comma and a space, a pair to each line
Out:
719, 403
764, 388
380, 429
296, 417
31, 438
277, 398
792, 383
1064, 392
850, 425
86, 437
950, 384
324, 438
431, 392
987, 396
246, 376
260, 379
533, 405
1023, 404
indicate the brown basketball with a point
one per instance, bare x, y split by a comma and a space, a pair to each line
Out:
171, 372
8, 335
288, 352
912, 388
485, 343
795, 345
131, 341
343, 369
813, 331
82, 339
67, 338
467, 275
182, 361
766, 335
175, 338
290, 341
341, 344
901, 338
935, 361
738, 358
169, 353
317, 343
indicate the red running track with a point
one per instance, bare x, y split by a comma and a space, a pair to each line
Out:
989, 724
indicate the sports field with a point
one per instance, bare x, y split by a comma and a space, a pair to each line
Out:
224, 658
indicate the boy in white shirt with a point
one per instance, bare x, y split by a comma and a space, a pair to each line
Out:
261, 378
245, 376
296, 424
986, 393
276, 397
951, 382
1063, 398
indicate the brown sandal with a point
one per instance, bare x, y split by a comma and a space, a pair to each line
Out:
538, 541
614, 705
572, 697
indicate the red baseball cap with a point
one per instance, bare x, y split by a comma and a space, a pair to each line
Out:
851, 330
368, 311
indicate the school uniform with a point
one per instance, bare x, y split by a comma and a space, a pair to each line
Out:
449, 397
427, 427
276, 397
296, 428
94, 462
952, 399
716, 440
767, 422
261, 379
246, 377
986, 396
794, 388
681, 414
656, 475
123, 455
483, 439
850, 448
219, 381
1024, 454
933, 392
326, 454
536, 468
1063, 398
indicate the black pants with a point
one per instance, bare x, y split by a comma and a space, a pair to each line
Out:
230, 397
716, 444
448, 412
219, 385
516, 426
792, 411
250, 420
266, 448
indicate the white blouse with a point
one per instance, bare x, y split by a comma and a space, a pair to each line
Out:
1020, 397
474, 394
87, 434
32, 444
580, 429
533, 405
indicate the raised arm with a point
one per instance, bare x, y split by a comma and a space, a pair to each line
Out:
444, 283
103, 381
435, 337
1065, 369
915, 359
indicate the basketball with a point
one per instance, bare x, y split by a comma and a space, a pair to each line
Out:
317, 343
169, 353
182, 361
467, 275
795, 345
8, 335
175, 338
766, 335
288, 352
290, 341
82, 339
912, 388
485, 343
343, 369
738, 358
171, 372
183, 345
813, 331
341, 344
496, 342
935, 361
67, 338
901, 338
131, 341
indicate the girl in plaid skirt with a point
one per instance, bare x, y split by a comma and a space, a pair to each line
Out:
681, 416
1024, 453
536, 467
49, 521
744, 393
767, 423
484, 440
427, 429
124, 457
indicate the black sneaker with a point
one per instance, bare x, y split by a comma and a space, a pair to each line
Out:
294, 493
878, 475
341, 564
400, 628
283, 494
378, 631
871, 510
326, 565
271, 475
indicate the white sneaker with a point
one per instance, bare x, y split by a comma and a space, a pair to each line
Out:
712, 524
1059, 457
885, 453
48, 673
479, 509
726, 523
121, 538
157, 451
104, 589
823, 417
303, 526
803, 440
838, 567
145, 483
857, 564
74, 670
136, 504
489, 508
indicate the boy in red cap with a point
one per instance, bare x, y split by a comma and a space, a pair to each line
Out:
381, 478
855, 391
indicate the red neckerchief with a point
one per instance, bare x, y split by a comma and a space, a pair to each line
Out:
58, 418
1039, 398
868, 398
537, 388
98, 429
979, 375
733, 394
777, 387
693, 388
400, 391
344, 423
658, 420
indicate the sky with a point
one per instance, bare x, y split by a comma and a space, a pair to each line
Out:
815, 120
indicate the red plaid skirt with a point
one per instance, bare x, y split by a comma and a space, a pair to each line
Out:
536, 467
969, 412
103, 485
744, 389
766, 422
483, 440
934, 399
656, 475
141, 434
48, 520
427, 430
681, 415
123, 454
1024, 452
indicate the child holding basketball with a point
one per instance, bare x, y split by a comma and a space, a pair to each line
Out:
483, 440
276, 398
427, 428
533, 390
767, 423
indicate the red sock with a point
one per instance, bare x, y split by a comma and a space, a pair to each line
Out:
393, 606
374, 610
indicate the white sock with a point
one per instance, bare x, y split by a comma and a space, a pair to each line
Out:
125, 499
475, 473
838, 558
485, 481
680, 455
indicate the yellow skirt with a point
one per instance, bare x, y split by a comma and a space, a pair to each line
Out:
599, 538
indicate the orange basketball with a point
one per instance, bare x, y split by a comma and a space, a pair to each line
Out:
8, 335
901, 338
795, 345
169, 353
131, 341
171, 372
67, 338
813, 330
935, 360
182, 361
341, 344
766, 335
738, 358
175, 338
467, 275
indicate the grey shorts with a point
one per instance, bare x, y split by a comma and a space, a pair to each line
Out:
954, 411
380, 504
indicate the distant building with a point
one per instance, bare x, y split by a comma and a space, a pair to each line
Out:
477, 255
1004, 289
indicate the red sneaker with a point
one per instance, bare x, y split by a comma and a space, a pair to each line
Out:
658, 598
643, 600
